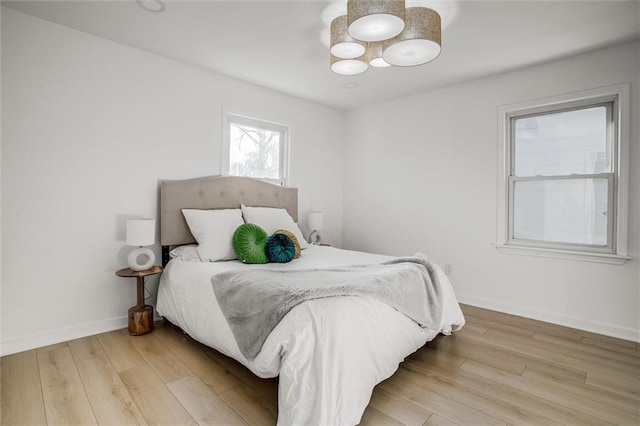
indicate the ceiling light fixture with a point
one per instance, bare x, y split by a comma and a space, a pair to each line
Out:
348, 66
373, 55
416, 40
342, 44
375, 20
419, 43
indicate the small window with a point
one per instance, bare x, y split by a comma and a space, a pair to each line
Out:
563, 186
255, 148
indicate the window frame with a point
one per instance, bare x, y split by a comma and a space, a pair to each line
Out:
230, 118
618, 97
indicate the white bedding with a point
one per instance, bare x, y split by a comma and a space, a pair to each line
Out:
329, 353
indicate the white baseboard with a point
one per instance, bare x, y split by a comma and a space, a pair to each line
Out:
584, 324
62, 335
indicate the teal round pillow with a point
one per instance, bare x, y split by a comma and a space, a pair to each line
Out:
280, 248
248, 243
294, 240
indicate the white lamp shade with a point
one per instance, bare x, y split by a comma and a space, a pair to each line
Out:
315, 220
375, 20
141, 232
419, 43
348, 66
373, 55
342, 44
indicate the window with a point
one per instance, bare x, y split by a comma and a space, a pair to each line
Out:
255, 148
563, 184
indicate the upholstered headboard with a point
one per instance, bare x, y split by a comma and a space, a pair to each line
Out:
215, 192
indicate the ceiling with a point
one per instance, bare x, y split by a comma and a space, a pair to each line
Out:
282, 45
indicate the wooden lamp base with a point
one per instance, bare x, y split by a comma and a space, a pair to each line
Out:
140, 320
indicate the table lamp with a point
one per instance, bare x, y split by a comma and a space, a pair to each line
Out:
314, 222
141, 232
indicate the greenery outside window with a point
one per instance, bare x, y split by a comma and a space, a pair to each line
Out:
255, 148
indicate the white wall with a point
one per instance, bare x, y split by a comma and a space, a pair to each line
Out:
422, 176
89, 127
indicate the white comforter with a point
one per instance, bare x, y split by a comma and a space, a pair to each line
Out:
329, 353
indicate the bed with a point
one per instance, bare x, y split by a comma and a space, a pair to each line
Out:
329, 352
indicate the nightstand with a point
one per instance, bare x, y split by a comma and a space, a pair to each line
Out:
141, 315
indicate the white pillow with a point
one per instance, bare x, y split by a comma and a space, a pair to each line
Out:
271, 220
213, 230
188, 253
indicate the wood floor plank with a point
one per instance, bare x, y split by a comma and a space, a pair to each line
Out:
632, 360
203, 405
84, 348
192, 354
166, 365
373, 417
522, 322
52, 347
109, 398
554, 372
481, 401
504, 326
403, 411
65, 399
121, 353
591, 407
558, 354
21, 391
250, 406
624, 347
607, 339
611, 398
478, 351
427, 353
156, 403
628, 387
507, 360
443, 406
513, 397
436, 420
266, 388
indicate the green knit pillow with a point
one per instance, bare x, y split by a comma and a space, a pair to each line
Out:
248, 243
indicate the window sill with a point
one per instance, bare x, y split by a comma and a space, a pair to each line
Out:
612, 259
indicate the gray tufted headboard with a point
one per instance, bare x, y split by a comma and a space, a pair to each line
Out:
215, 192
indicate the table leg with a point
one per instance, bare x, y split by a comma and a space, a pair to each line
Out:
141, 315
140, 301
140, 320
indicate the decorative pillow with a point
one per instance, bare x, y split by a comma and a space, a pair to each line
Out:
271, 219
279, 248
213, 230
249, 243
188, 253
294, 240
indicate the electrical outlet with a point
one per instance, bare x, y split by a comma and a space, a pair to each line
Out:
448, 269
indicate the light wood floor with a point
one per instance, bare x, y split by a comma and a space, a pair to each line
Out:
499, 369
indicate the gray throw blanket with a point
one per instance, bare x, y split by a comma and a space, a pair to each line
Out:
254, 301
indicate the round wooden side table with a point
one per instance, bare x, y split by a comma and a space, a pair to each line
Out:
141, 315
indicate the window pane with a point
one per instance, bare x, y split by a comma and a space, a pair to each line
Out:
254, 152
561, 211
562, 143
